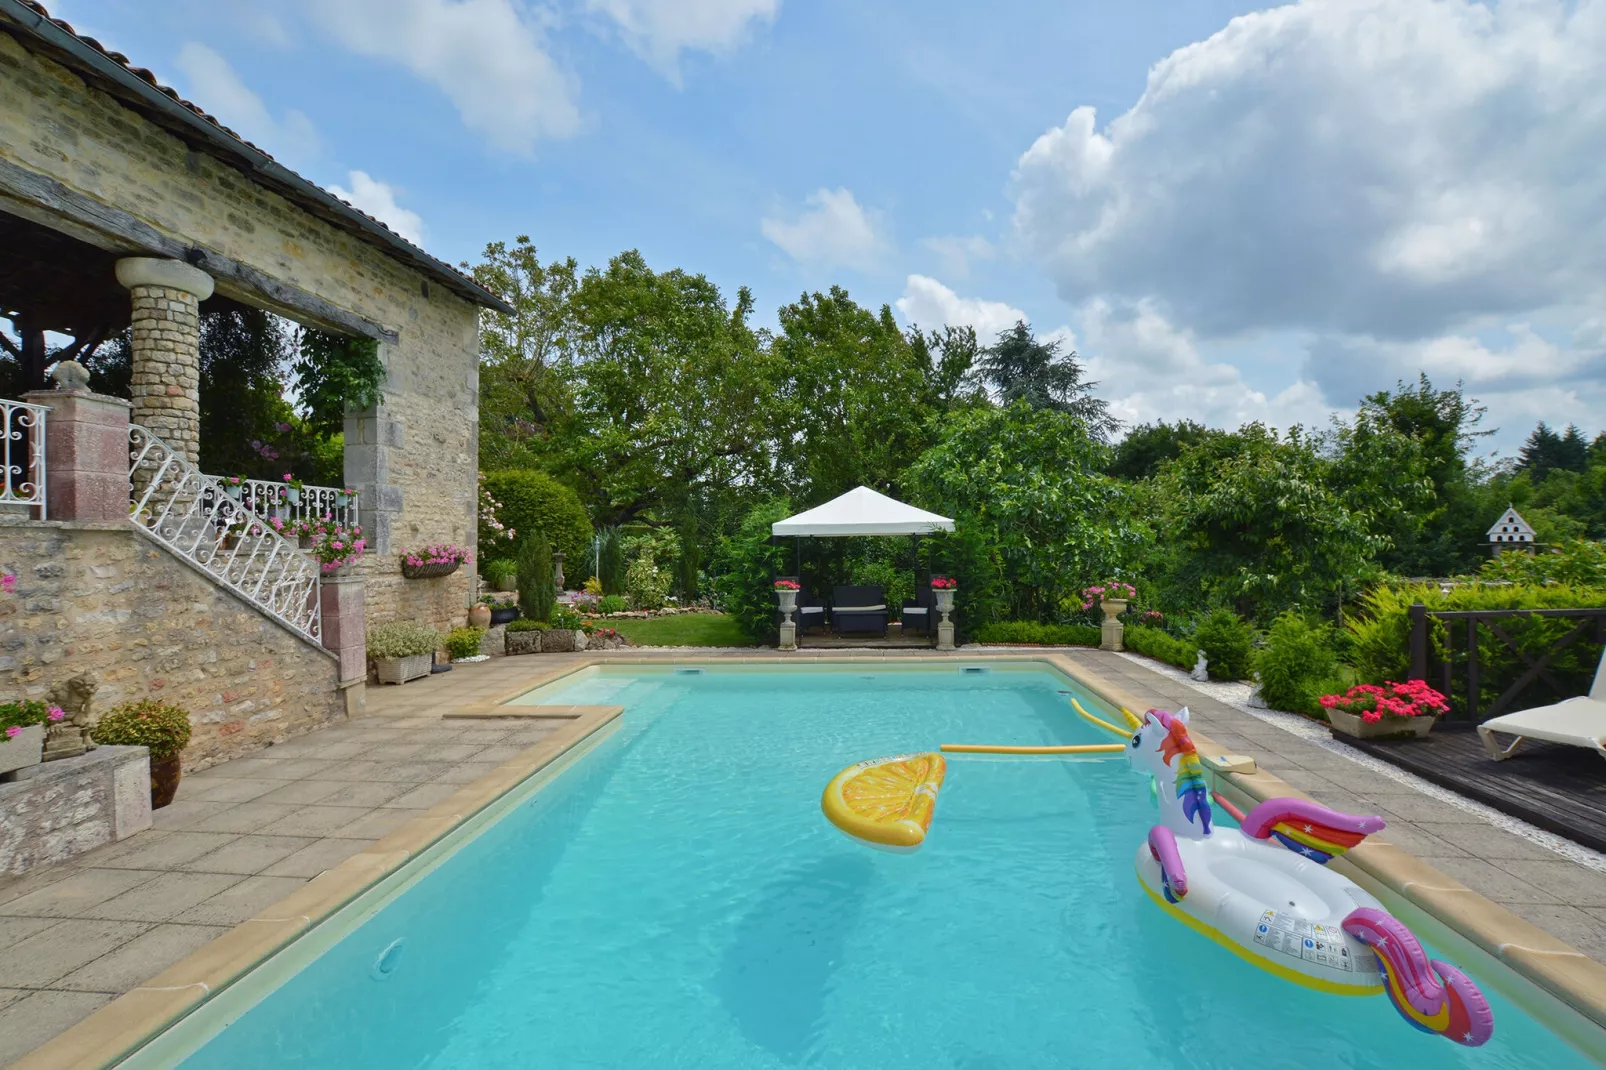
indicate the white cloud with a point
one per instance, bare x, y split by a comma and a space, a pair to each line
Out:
379, 200
834, 231
931, 305
1379, 167
215, 86
955, 253
659, 30
488, 56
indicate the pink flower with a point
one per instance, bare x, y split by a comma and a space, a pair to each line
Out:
288, 477
8, 583
56, 713
13, 732
336, 545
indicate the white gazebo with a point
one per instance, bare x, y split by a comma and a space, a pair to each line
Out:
862, 511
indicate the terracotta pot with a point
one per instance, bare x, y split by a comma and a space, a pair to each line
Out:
1352, 724
479, 616
165, 774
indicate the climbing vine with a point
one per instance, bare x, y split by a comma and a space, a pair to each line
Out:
332, 371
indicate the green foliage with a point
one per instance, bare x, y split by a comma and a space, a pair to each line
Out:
464, 642
1228, 643
611, 557
537, 592
1581, 563
1379, 638
1160, 645
646, 585
22, 713
747, 566
499, 569
1298, 664
1022, 367
1147, 446
897, 584
1035, 518
524, 624
402, 639
162, 727
612, 603
566, 618
1031, 633
1545, 452
533, 503
334, 372
684, 629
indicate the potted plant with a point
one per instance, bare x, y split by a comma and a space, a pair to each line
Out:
291, 491
786, 594
502, 609
1111, 596
502, 574
160, 726
1367, 710
432, 561
402, 650
232, 486
336, 548
943, 588
524, 636
22, 731
346, 496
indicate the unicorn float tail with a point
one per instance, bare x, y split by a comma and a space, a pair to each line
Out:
1433, 996
1308, 828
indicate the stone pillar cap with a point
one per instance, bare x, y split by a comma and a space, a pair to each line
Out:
174, 274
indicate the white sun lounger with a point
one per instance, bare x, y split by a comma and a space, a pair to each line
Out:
1577, 722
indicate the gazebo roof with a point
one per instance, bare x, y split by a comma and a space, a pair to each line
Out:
862, 511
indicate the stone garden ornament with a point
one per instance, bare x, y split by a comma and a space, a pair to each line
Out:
69, 737
1200, 669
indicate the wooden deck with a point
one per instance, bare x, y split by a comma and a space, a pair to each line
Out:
1562, 789
893, 639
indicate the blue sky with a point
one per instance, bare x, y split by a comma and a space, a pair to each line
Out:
1257, 218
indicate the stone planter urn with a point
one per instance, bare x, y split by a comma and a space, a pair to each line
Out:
507, 584
23, 749
523, 642
479, 615
788, 603
165, 775
401, 670
1112, 632
1352, 724
557, 569
945, 627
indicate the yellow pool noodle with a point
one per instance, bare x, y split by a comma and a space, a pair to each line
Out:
1078, 748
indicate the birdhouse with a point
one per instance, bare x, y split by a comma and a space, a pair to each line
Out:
1511, 532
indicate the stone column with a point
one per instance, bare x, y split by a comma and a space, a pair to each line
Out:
373, 435
86, 449
345, 633
166, 330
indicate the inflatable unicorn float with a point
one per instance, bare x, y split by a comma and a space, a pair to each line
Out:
1264, 892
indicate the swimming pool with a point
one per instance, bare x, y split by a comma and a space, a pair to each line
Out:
675, 898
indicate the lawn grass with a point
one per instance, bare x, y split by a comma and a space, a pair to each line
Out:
683, 629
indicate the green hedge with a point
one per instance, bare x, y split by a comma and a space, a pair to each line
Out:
1025, 632
1160, 645
1379, 639
1228, 643
533, 503
1298, 665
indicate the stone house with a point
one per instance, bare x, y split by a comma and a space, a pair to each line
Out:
123, 205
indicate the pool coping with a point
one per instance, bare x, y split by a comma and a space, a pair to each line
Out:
116, 1030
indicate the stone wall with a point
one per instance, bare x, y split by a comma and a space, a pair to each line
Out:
102, 597
60, 809
414, 455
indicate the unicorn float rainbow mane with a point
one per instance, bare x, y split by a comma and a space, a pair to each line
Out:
1311, 925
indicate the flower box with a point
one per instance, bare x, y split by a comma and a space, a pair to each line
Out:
25, 748
429, 572
1353, 724
401, 670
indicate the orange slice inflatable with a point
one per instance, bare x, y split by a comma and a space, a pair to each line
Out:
887, 803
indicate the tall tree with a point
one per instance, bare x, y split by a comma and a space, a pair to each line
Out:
1022, 367
1147, 446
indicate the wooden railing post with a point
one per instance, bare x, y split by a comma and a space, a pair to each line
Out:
1418, 616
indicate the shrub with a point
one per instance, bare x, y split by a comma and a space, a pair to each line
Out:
593, 586
1162, 646
402, 639
611, 561
525, 625
537, 591
1031, 633
1379, 637
612, 603
162, 727
464, 642
646, 585
502, 568
747, 566
1582, 563
565, 618
1228, 643
533, 503
1297, 665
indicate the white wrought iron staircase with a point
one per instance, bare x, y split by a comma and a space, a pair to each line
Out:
189, 514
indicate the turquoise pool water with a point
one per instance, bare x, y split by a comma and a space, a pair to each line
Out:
676, 899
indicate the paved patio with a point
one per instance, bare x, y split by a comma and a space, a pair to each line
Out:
244, 834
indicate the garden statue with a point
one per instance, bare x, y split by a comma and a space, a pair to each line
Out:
1256, 700
557, 571
1200, 669
71, 377
69, 737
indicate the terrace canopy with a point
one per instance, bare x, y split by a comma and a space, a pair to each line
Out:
862, 511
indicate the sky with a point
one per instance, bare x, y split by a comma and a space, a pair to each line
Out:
1230, 213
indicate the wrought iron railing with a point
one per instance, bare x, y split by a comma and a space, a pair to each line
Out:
268, 499
188, 513
23, 454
